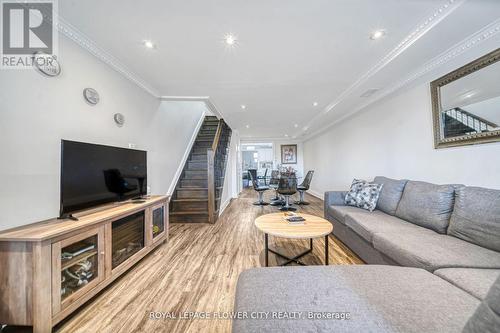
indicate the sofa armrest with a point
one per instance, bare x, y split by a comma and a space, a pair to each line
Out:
335, 198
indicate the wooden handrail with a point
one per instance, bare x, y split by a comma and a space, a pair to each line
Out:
215, 144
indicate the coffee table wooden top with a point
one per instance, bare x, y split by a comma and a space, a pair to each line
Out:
275, 225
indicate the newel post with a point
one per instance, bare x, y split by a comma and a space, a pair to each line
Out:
211, 186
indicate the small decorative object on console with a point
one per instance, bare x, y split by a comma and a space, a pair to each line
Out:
363, 194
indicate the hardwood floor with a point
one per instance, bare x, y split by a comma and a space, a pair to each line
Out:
196, 271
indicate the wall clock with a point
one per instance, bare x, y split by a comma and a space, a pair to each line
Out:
91, 96
47, 64
119, 119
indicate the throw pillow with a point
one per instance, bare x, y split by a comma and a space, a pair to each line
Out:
363, 194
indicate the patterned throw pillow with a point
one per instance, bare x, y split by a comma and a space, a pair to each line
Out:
363, 194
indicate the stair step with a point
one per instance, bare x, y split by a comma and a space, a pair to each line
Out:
197, 165
199, 157
187, 193
196, 183
195, 193
205, 138
189, 217
190, 205
206, 135
200, 150
208, 131
208, 127
195, 174
205, 144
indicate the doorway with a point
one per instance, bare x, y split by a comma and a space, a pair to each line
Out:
258, 158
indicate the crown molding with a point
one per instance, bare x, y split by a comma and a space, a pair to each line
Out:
418, 32
71, 32
458, 49
252, 139
185, 98
206, 99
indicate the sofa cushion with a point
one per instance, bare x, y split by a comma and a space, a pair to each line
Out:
366, 225
486, 318
390, 195
339, 212
431, 251
427, 205
377, 299
363, 195
476, 216
475, 281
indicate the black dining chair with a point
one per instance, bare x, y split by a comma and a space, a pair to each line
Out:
273, 184
259, 189
263, 178
287, 187
253, 172
302, 188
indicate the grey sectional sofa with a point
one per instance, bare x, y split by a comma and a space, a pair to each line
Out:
423, 225
447, 237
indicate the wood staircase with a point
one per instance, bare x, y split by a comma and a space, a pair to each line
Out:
196, 198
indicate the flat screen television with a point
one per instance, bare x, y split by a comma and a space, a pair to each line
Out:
93, 175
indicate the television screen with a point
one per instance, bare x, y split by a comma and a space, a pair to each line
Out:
95, 174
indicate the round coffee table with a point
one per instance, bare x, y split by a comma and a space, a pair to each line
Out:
275, 225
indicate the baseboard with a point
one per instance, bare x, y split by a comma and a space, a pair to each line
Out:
224, 206
316, 194
186, 155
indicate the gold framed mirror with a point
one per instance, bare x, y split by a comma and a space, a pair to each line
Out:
466, 104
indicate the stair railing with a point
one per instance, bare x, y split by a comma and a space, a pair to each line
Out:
216, 159
476, 123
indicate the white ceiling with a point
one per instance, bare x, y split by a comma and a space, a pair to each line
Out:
288, 54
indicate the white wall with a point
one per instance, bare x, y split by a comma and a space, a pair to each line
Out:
36, 112
394, 139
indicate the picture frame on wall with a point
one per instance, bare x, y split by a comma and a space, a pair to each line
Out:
288, 154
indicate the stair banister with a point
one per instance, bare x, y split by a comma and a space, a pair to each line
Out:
211, 173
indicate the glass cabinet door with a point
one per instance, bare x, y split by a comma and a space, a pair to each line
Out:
79, 266
158, 217
157, 221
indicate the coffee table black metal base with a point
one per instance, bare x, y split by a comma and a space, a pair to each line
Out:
296, 258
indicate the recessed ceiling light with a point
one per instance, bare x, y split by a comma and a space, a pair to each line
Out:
469, 94
243, 106
377, 34
149, 44
315, 104
247, 126
230, 39
305, 128
296, 125
286, 135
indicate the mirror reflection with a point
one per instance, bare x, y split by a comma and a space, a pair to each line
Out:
471, 104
